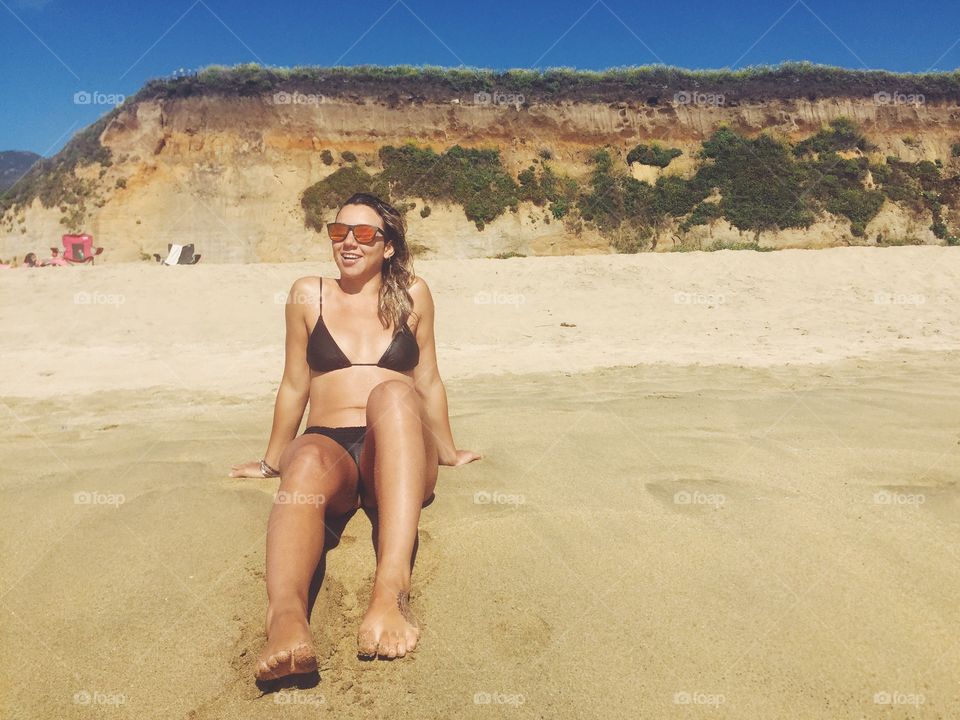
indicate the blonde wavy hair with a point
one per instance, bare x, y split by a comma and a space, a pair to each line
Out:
395, 305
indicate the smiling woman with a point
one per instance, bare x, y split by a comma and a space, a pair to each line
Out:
376, 433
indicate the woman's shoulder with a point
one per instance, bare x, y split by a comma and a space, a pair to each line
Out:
422, 299
306, 289
309, 282
418, 288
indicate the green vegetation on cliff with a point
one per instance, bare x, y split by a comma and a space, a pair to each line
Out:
652, 154
474, 179
761, 184
648, 84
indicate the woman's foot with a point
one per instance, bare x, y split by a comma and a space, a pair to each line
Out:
388, 629
289, 649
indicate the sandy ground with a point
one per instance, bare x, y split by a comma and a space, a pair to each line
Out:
726, 488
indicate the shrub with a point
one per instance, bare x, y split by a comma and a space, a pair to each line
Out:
530, 187
702, 214
652, 155
841, 134
752, 245
838, 186
630, 238
330, 192
473, 178
759, 181
604, 203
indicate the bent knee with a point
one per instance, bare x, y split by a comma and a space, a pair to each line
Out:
390, 393
310, 464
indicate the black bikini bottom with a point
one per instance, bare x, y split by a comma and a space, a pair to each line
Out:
350, 437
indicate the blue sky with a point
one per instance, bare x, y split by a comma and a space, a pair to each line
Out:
54, 49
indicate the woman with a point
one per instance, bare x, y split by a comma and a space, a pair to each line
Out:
376, 433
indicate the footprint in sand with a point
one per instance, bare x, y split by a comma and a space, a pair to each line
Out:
521, 636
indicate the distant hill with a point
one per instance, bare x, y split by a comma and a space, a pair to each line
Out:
13, 164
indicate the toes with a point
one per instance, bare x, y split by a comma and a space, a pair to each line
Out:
263, 671
388, 646
367, 643
305, 658
279, 659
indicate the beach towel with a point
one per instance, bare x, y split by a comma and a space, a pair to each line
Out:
173, 257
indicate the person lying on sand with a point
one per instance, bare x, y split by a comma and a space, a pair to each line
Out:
376, 432
55, 259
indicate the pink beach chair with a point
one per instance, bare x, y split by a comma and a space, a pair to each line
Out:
79, 249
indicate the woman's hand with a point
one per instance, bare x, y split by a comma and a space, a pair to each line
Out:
462, 457
247, 470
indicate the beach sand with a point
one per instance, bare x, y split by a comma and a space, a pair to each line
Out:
726, 487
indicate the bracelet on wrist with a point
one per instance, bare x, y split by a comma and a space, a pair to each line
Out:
267, 470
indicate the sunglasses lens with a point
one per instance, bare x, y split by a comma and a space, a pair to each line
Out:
364, 233
337, 231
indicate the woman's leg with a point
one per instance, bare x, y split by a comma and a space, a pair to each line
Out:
317, 477
399, 472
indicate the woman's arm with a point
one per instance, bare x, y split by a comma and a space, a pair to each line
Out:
435, 401
294, 389
426, 376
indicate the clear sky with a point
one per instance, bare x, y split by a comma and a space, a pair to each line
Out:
53, 49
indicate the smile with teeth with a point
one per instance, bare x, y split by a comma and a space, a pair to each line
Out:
350, 256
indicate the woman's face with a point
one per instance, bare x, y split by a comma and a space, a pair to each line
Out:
369, 256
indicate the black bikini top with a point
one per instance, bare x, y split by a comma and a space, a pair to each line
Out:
324, 354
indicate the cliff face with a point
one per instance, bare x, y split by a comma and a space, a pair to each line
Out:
227, 173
